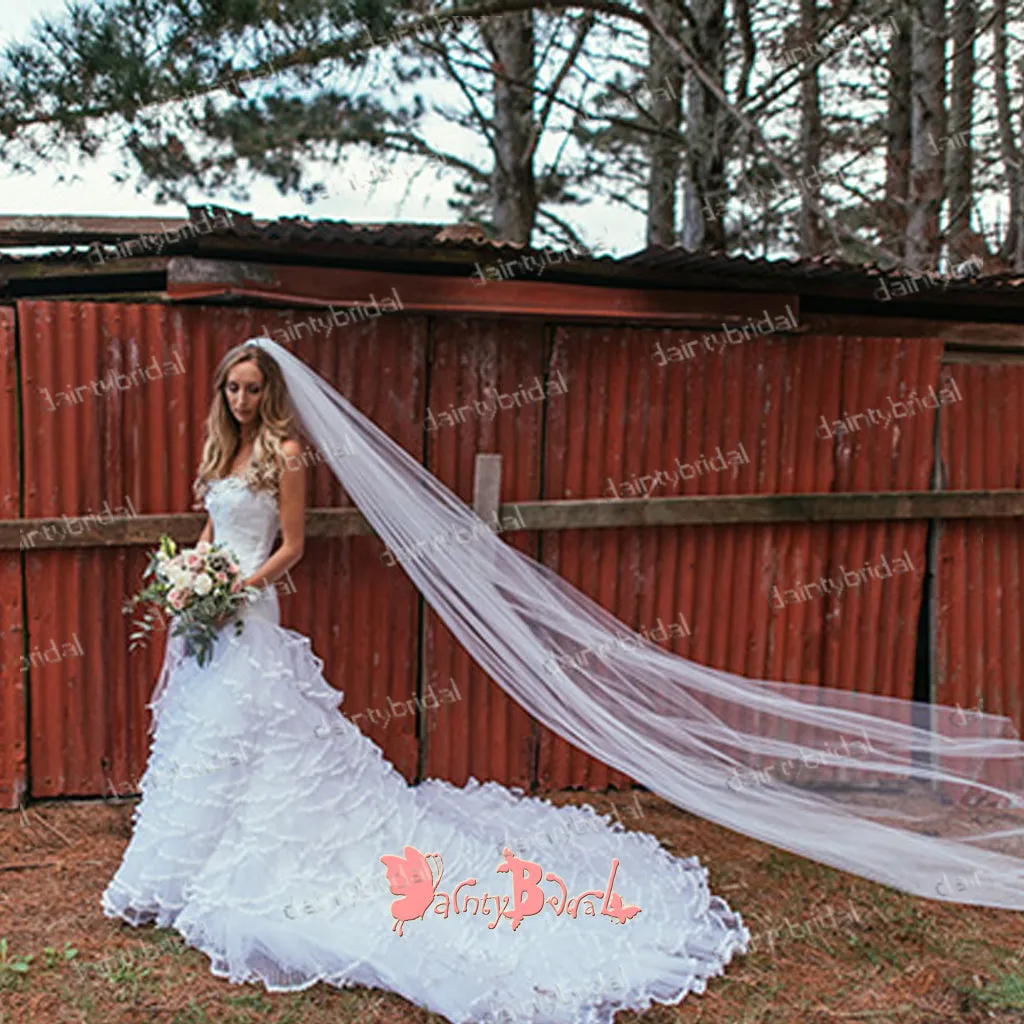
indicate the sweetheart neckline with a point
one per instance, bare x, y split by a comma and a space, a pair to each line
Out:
245, 484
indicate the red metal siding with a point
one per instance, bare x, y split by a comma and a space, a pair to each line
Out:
626, 415
980, 561
623, 415
13, 758
88, 718
485, 734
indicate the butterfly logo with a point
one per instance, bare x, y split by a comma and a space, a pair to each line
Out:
412, 878
621, 913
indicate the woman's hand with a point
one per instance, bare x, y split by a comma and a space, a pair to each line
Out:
223, 619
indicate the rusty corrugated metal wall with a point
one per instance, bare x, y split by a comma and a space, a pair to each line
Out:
981, 561
622, 416
136, 450
13, 750
626, 417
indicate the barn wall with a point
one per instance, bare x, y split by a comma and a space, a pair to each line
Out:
13, 704
624, 415
134, 451
980, 621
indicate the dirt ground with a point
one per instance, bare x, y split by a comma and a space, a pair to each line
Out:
827, 947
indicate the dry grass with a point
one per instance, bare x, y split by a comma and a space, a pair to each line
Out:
828, 948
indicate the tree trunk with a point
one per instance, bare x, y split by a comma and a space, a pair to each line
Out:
665, 87
706, 125
515, 191
928, 126
897, 131
959, 165
810, 140
1012, 248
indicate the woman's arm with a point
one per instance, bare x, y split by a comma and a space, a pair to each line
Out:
292, 510
207, 533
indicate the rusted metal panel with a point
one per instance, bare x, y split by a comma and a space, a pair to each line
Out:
361, 613
980, 630
872, 621
484, 381
13, 752
107, 395
137, 449
762, 399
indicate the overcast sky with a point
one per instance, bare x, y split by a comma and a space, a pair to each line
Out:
607, 229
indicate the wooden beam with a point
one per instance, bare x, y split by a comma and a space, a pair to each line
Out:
956, 334
775, 508
22, 229
189, 278
128, 531
114, 267
588, 513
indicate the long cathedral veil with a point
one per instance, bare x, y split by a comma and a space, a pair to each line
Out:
920, 797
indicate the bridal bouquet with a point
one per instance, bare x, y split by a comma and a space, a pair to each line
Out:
198, 588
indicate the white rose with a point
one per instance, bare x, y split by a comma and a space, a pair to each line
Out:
203, 584
176, 576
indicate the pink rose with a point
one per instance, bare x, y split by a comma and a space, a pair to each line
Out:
222, 577
194, 561
236, 585
176, 598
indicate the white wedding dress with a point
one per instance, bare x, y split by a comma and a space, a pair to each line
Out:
265, 812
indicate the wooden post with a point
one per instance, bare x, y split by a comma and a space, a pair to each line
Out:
487, 487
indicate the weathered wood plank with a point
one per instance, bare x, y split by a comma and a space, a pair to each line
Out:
590, 513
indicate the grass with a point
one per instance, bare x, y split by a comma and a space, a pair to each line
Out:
125, 973
828, 948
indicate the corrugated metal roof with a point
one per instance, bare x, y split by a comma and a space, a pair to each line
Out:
450, 248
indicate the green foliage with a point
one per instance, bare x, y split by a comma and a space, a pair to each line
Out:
54, 957
12, 966
200, 95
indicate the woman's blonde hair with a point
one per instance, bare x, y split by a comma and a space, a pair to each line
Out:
223, 434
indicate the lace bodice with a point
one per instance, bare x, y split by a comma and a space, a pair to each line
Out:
247, 521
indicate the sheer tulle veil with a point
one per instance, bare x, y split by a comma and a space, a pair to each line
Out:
925, 798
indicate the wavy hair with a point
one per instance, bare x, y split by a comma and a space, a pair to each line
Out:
223, 433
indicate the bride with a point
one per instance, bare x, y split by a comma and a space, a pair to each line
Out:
274, 836
266, 817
